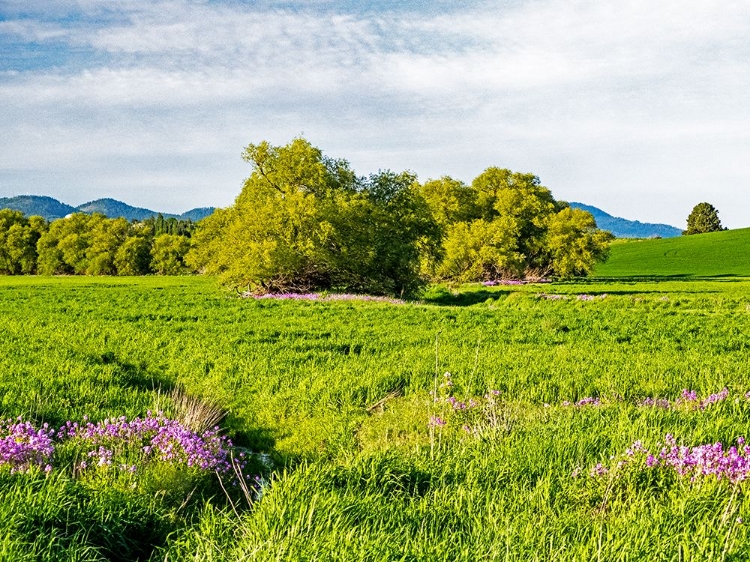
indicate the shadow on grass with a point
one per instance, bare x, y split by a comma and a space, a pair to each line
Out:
257, 439
444, 297
130, 375
468, 298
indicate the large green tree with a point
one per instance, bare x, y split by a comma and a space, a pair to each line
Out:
168, 254
133, 257
574, 244
703, 218
305, 221
18, 240
107, 237
385, 233
509, 225
276, 235
63, 248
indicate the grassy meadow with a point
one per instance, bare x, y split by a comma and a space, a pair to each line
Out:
365, 448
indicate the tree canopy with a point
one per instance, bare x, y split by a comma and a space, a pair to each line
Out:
513, 227
306, 221
95, 245
703, 218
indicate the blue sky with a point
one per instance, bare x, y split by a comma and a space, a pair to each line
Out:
634, 106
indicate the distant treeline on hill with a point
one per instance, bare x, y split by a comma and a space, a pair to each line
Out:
305, 221
624, 228
92, 245
51, 209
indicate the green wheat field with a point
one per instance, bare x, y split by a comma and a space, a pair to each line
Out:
357, 434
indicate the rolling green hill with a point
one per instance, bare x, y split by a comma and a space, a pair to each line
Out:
717, 254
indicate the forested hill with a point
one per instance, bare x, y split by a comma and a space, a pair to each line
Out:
31, 205
51, 208
624, 228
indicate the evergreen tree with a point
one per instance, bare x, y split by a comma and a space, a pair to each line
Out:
703, 218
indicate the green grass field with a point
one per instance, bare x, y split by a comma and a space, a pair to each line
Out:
716, 254
334, 400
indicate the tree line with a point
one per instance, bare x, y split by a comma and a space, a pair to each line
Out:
305, 221
82, 244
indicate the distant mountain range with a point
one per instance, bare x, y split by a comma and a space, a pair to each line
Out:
623, 228
51, 209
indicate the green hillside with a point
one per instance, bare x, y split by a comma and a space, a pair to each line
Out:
716, 254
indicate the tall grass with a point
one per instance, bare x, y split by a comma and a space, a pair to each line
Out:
336, 395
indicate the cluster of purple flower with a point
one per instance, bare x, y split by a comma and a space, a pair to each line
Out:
713, 459
656, 403
495, 282
284, 296
22, 446
323, 297
141, 439
154, 436
436, 421
588, 401
555, 297
688, 398
458, 407
552, 297
368, 298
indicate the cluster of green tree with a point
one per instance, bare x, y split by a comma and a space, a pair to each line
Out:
507, 225
18, 239
178, 227
306, 221
87, 245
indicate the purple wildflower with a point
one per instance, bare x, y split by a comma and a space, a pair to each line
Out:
655, 403
320, 297
688, 396
436, 421
22, 446
155, 437
599, 470
587, 401
551, 297
713, 398
701, 461
504, 282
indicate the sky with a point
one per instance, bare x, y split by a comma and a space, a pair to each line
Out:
634, 106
